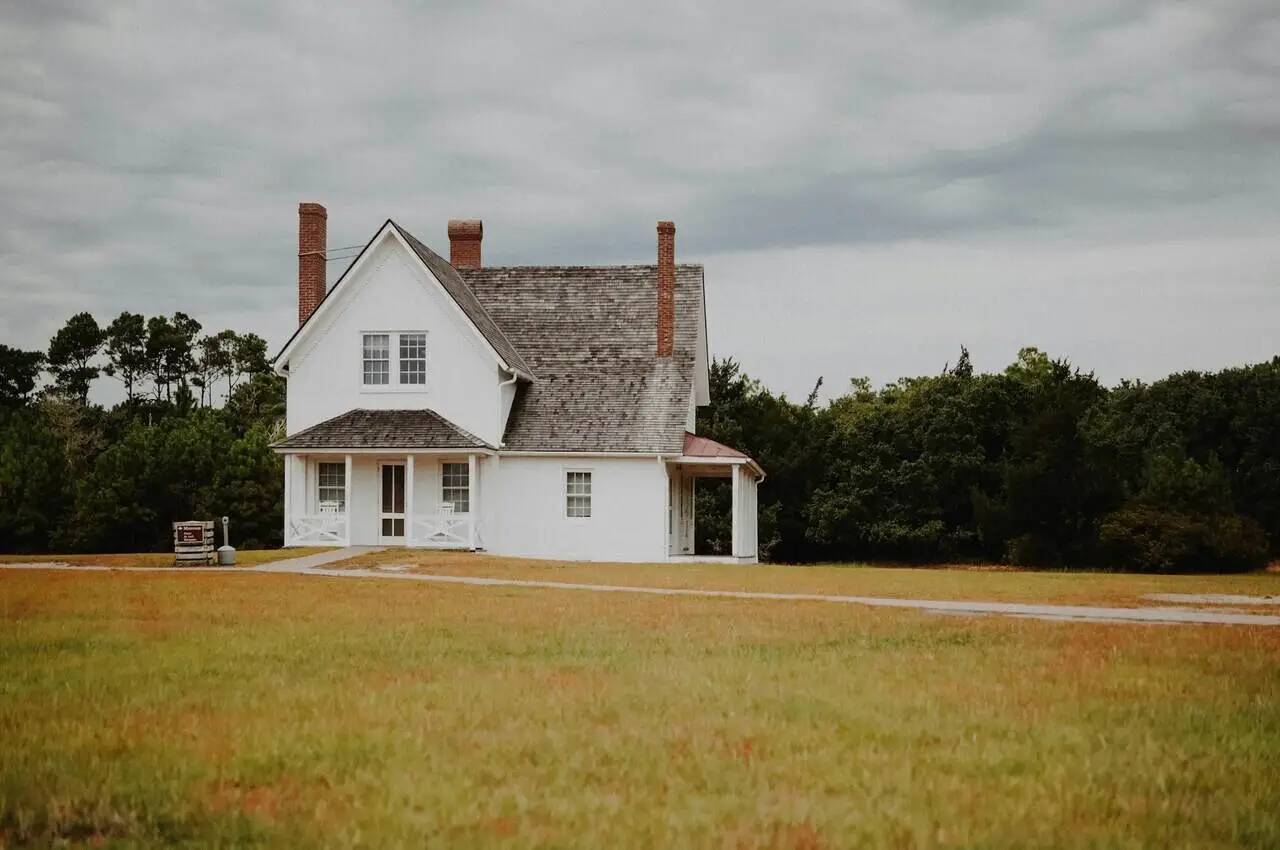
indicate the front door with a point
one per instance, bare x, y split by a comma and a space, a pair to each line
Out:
391, 512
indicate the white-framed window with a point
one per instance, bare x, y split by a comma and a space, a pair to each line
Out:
377, 359
331, 492
393, 360
413, 358
577, 493
455, 486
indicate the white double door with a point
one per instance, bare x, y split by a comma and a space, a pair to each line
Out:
391, 502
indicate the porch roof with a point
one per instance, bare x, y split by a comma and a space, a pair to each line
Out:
706, 450
384, 429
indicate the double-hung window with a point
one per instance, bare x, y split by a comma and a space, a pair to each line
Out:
577, 493
377, 359
413, 358
455, 486
332, 487
394, 359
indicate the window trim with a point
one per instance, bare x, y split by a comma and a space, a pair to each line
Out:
466, 468
590, 495
401, 359
321, 487
393, 384
365, 359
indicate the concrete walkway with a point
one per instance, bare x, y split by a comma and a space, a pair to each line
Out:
314, 565
1075, 613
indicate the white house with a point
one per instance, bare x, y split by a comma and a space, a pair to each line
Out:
539, 411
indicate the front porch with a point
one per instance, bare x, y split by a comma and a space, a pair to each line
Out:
427, 500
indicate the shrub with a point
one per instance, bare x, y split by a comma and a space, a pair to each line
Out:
1145, 539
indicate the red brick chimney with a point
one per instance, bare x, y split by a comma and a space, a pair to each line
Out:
464, 243
666, 288
313, 224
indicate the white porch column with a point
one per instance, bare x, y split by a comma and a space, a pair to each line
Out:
736, 525
288, 499
473, 481
346, 499
408, 500
474, 507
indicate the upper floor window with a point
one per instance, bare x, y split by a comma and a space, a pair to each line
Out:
377, 359
394, 359
413, 358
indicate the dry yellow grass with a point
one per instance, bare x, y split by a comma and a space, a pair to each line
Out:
257, 709
998, 584
244, 558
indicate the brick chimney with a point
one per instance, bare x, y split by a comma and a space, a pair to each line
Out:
666, 288
464, 243
313, 224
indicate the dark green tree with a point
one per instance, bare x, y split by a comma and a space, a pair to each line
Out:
19, 372
170, 351
35, 493
71, 356
126, 339
214, 359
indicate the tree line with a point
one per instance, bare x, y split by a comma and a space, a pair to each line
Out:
1038, 465
190, 440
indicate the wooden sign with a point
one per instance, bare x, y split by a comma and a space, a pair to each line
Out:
190, 534
193, 542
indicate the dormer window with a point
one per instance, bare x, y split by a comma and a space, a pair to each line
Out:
394, 359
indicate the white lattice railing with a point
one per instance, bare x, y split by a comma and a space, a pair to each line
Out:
322, 529
443, 529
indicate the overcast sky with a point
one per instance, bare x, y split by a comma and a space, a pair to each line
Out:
869, 184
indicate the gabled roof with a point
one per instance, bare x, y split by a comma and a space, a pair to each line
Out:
384, 429
590, 335
448, 277
466, 299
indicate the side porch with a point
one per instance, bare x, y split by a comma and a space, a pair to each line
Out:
704, 459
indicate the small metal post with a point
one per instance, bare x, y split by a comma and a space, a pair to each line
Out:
226, 554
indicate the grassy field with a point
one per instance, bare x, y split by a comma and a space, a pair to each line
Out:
992, 584
258, 709
244, 558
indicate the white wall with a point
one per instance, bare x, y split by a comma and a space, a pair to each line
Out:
524, 504
365, 487
393, 292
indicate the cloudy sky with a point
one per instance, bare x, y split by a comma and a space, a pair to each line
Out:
869, 184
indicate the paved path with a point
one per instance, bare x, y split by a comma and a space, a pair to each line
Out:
1212, 598
314, 565
1079, 613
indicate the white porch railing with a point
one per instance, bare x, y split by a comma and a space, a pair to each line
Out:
443, 529
323, 529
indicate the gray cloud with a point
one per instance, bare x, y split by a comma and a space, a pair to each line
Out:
152, 154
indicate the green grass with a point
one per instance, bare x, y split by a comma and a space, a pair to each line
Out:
256, 709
